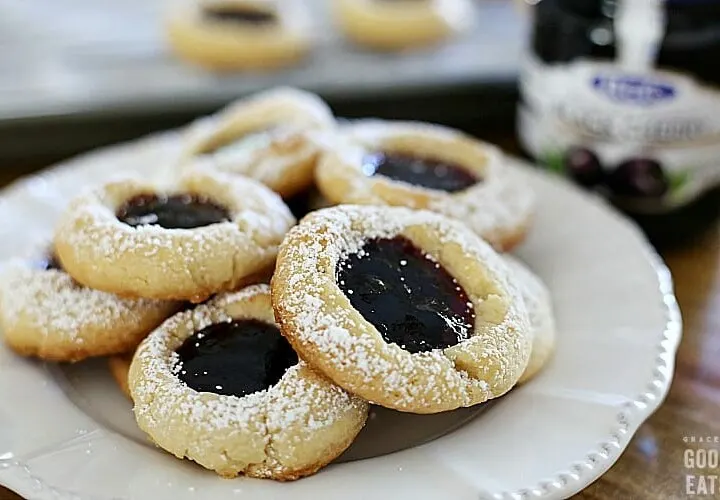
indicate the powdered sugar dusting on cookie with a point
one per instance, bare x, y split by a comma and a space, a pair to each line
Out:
343, 341
110, 238
157, 382
268, 156
68, 316
534, 293
269, 137
498, 207
302, 398
495, 210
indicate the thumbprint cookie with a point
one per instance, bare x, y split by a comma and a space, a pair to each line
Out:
407, 309
207, 233
273, 137
428, 167
46, 314
400, 24
220, 385
226, 35
542, 319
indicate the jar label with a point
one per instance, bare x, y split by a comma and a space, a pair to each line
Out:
665, 122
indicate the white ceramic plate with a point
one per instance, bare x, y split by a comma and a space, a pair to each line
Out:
618, 325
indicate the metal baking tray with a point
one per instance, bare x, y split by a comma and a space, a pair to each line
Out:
94, 60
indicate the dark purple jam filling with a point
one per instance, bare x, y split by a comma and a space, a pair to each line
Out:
426, 172
181, 211
411, 299
234, 14
235, 358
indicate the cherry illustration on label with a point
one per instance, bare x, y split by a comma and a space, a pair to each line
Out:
639, 177
584, 166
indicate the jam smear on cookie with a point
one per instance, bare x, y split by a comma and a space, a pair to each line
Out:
427, 172
182, 211
244, 15
236, 358
411, 299
48, 262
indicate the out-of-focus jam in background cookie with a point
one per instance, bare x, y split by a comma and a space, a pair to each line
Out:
621, 96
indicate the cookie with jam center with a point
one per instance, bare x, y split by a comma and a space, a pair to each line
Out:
407, 309
401, 24
209, 232
274, 137
45, 313
228, 35
234, 358
424, 166
220, 385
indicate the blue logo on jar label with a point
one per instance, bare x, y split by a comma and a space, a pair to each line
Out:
637, 90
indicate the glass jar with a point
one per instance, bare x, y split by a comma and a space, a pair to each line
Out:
623, 96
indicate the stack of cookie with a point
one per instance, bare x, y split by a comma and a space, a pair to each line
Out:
394, 295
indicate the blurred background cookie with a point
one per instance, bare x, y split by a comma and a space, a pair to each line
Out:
425, 166
239, 34
401, 24
273, 137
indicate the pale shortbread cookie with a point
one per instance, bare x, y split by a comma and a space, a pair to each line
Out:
45, 313
287, 431
273, 137
542, 319
270, 35
100, 251
119, 366
498, 207
394, 24
326, 331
